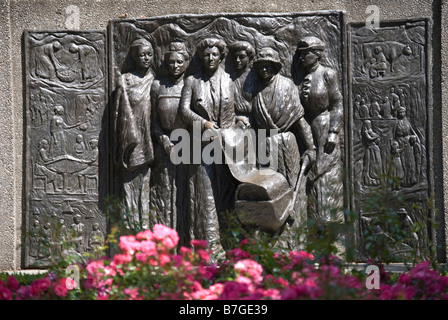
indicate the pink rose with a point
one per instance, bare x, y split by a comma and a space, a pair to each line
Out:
166, 235
5, 294
13, 284
60, 290
203, 244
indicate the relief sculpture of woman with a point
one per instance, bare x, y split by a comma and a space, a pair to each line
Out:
322, 100
243, 53
208, 102
276, 106
372, 164
168, 180
408, 141
132, 133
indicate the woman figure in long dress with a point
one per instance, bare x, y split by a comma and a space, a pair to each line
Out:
168, 180
371, 173
404, 134
322, 100
277, 106
397, 171
207, 103
132, 134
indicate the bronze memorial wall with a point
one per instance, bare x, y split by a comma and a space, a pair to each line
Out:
274, 118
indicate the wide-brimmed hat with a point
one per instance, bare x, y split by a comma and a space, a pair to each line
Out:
311, 43
268, 55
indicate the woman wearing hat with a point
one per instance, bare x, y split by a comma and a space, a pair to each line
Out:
276, 105
322, 100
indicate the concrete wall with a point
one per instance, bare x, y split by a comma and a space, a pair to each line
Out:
17, 15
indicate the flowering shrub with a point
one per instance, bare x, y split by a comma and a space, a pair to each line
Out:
150, 265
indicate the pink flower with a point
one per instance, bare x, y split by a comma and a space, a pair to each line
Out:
70, 283
289, 294
12, 283
5, 293
202, 244
60, 290
129, 244
178, 260
164, 259
301, 255
102, 296
185, 252
132, 293
410, 292
204, 255
149, 247
166, 235
122, 258
217, 288
24, 292
249, 268
94, 266
405, 279
40, 285
142, 257
145, 235
238, 254
203, 294
233, 290
271, 293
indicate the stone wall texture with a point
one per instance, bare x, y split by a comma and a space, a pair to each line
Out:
18, 15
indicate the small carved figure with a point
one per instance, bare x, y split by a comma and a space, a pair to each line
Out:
45, 248
403, 62
375, 109
96, 238
408, 226
132, 133
402, 96
397, 170
363, 109
88, 58
386, 108
57, 131
416, 147
80, 146
78, 228
43, 158
35, 238
372, 164
403, 132
92, 161
378, 64
394, 100
45, 60
62, 230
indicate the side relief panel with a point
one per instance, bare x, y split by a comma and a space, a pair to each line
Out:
66, 169
390, 129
